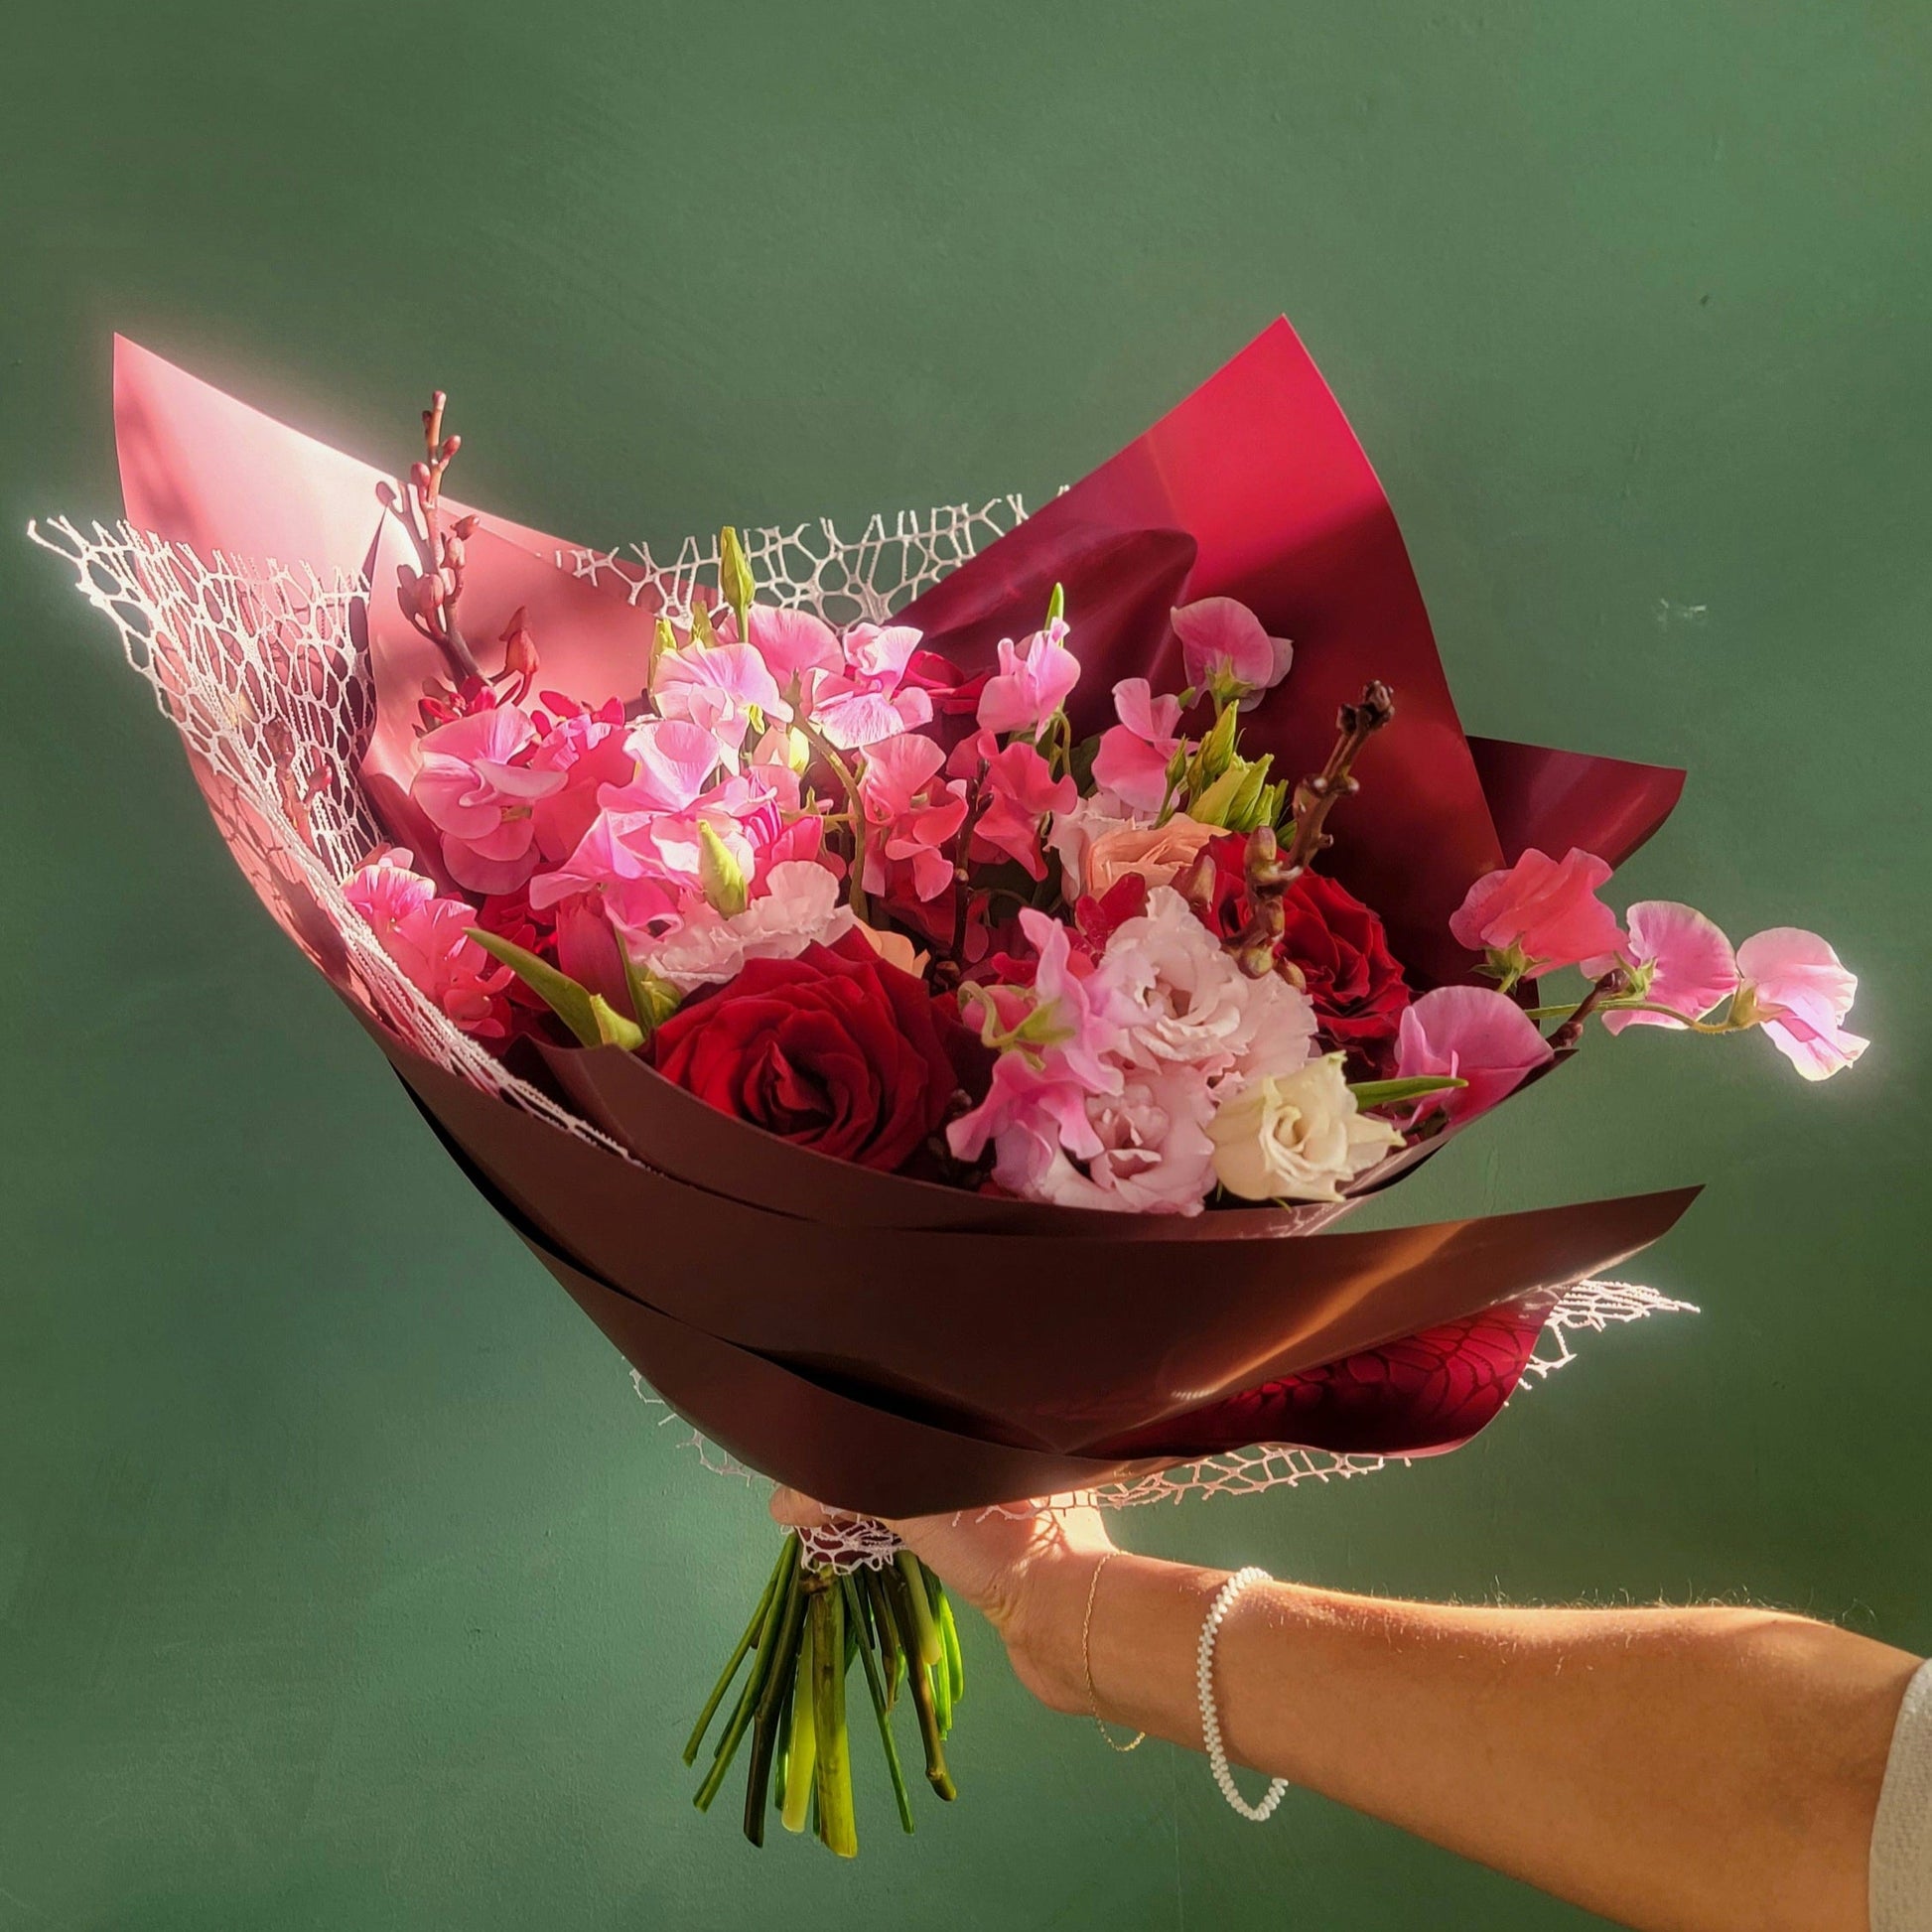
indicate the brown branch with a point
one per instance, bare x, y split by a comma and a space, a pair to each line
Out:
1270, 871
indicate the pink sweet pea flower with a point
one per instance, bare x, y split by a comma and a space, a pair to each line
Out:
1472, 1033
1134, 756
1020, 790
589, 749
794, 642
674, 761
482, 802
1676, 958
1227, 650
1028, 689
1796, 989
907, 822
1538, 914
717, 689
428, 937
868, 701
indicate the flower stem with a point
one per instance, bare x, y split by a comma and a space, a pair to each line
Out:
738, 1656
1633, 1006
771, 1633
918, 1677
771, 1699
838, 1826
854, 802
924, 1630
801, 1757
881, 1700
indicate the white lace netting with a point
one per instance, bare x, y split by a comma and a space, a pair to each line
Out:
259, 668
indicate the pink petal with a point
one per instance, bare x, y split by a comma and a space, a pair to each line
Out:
1472, 1033
1695, 967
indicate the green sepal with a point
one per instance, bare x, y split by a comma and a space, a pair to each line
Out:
1249, 806
1216, 752
1392, 1093
702, 633
588, 1014
652, 999
720, 876
1057, 605
1234, 798
664, 642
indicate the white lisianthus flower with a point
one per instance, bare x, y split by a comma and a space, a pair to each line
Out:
1297, 1137
801, 907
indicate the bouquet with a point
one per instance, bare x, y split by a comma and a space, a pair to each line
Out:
836, 959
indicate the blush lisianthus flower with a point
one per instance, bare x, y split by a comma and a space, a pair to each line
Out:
1074, 832
428, 937
1227, 650
1472, 1033
1133, 757
1674, 957
1797, 989
1031, 683
1191, 1004
1539, 914
1299, 1137
1158, 853
472, 786
1152, 1152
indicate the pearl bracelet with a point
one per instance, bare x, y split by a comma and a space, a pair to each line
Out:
1210, 1721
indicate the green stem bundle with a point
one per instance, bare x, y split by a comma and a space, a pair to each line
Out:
810, 1625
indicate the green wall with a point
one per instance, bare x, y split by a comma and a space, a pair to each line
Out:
344, 1582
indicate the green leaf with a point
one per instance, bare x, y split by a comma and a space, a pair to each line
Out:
720, 876
734, 579
593, 1021
1392, 1093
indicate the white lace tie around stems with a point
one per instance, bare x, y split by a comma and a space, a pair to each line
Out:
1210, 1721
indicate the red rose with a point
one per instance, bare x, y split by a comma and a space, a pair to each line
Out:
835, 1050
1336, 943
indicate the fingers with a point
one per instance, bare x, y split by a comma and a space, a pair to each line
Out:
799, 1512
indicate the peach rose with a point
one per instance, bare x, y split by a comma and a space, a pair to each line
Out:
1158, 853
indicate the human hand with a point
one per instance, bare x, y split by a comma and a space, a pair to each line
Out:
1025, 1569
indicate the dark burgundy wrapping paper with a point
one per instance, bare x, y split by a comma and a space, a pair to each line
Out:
1418, 1397
849, 1453
996, 1333
1554, 800
1260, 468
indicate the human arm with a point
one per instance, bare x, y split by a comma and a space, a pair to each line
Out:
1702, 1770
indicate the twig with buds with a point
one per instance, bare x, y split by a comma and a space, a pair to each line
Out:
1270, 871
439, 584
